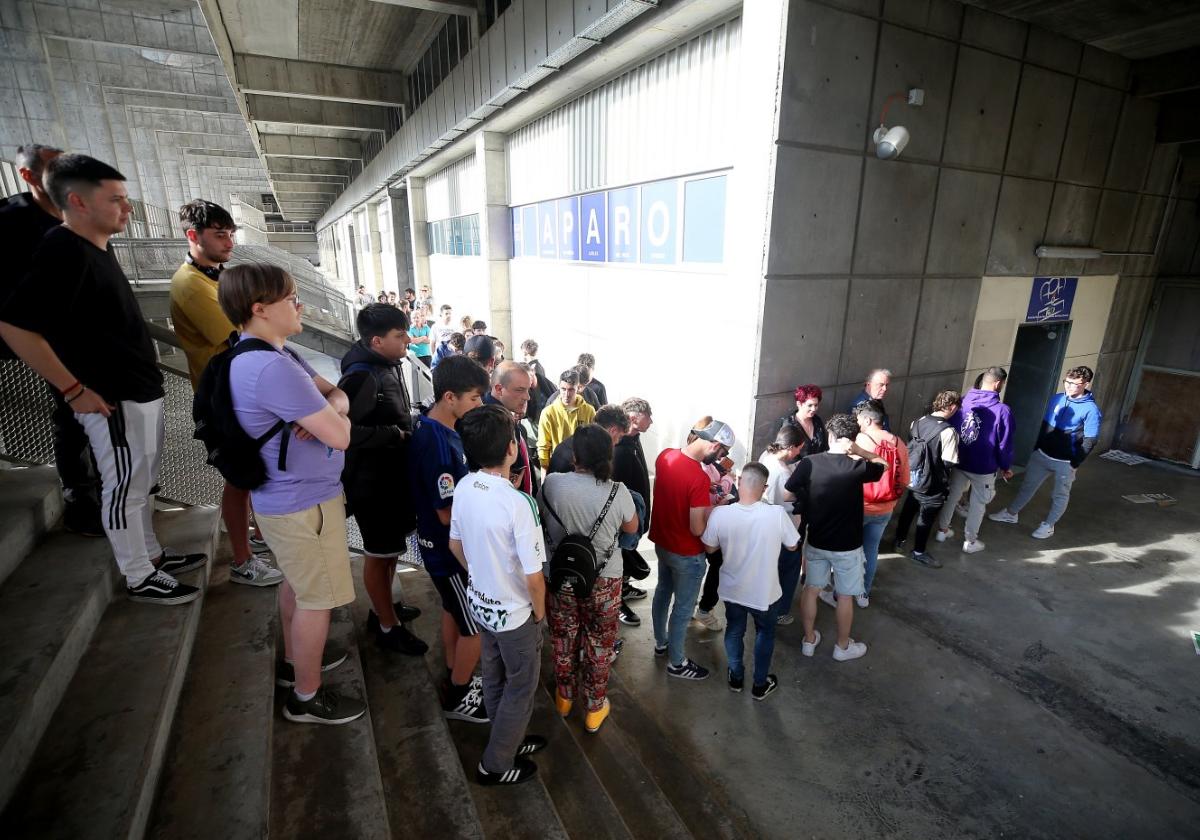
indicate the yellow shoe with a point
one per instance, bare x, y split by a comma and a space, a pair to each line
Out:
562, 704
594, 719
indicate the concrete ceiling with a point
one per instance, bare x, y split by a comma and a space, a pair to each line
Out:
1131, 28
322, 83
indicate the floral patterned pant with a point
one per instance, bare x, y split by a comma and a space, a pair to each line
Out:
588, 625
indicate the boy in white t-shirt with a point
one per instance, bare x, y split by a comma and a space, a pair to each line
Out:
749, 535
496, 535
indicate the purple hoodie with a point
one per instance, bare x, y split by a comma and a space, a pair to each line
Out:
984, 427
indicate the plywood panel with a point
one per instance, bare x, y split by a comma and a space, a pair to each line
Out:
1164, 422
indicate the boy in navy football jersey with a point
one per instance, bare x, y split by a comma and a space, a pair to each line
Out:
437, 465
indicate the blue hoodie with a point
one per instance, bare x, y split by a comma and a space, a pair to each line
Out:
984, 427
1070, 428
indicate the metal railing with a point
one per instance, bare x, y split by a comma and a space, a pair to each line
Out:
291, 227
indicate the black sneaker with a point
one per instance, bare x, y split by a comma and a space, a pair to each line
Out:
531, 744
465, 703
403, 612
760, 692
660, 651
522, 771
161, 588
736, 684
177, 564
629, 592
401, 640
926, 559
285, 672
687, 670
618, 646
325, 707
899, 546
628, 616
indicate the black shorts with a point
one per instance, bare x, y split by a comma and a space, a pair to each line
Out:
384, 532
453, 589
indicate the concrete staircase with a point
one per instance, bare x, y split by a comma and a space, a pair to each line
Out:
121, 720
89, 681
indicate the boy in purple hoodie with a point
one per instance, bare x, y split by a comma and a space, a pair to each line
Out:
985, 446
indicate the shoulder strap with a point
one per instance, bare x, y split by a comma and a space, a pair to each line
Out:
604, 511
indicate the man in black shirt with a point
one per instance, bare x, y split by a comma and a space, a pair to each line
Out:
589, 362
630, 468
24, 220
93, 346
828, 488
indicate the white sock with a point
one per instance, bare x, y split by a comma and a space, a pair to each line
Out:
383, 629
304, 698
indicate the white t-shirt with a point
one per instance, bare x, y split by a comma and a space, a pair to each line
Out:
578, 499
502, 540
777, 475
750, 537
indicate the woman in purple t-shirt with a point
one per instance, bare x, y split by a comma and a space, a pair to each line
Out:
300, 508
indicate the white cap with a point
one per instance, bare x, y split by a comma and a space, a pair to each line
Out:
717, 432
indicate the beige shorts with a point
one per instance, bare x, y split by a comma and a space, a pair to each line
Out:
310, 548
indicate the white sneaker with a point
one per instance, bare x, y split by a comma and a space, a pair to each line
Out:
255, 572
854, 650
809, 648
863, 601
827, 597
972, 547
961, 510
710, 620
1003, 515
784, 620
942, 536
1043, 532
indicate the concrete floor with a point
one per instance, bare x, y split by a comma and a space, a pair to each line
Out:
1037, 689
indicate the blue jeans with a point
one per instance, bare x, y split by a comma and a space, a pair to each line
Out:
680, 576
873, 525
736, 616
789, 579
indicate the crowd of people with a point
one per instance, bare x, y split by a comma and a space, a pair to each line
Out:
508, 477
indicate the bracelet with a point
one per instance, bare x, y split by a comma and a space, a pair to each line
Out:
82, 388
70, 400
69, 388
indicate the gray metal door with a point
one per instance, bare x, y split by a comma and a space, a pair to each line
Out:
1037, 359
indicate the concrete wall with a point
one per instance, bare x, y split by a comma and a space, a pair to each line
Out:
1024, 138
131, 84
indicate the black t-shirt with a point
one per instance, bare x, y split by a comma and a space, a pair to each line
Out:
828, 490
77, 298
22, 225
562, 459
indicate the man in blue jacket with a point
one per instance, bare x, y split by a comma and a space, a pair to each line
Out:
1069, 432
985, 444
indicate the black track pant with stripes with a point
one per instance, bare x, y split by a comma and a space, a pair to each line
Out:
128, 449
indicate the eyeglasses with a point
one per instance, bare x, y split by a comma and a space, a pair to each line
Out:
1074, 382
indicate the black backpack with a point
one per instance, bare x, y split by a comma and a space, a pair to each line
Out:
233, 452
926, 470
574, 565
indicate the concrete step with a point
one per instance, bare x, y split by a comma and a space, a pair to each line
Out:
217, 781
427, 792
96, 771
612, 759
49, 609
325, 780
30, 503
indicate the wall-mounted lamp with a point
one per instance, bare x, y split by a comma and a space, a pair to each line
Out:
890, 142
1060, 252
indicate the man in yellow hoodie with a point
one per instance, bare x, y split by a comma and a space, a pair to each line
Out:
204, 331
559, 420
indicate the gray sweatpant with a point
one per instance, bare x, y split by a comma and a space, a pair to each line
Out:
1039, 468
512, 661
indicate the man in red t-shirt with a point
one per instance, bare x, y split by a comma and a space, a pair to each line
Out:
681, 508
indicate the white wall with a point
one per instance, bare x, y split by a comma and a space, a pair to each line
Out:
462, 283
682, 339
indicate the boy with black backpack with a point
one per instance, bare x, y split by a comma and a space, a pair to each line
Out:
932, 452
378, 495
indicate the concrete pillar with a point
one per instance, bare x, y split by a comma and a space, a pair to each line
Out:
372, 263
401, 247
418, 217
495, 232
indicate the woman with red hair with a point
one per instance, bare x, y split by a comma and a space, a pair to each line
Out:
806, 420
